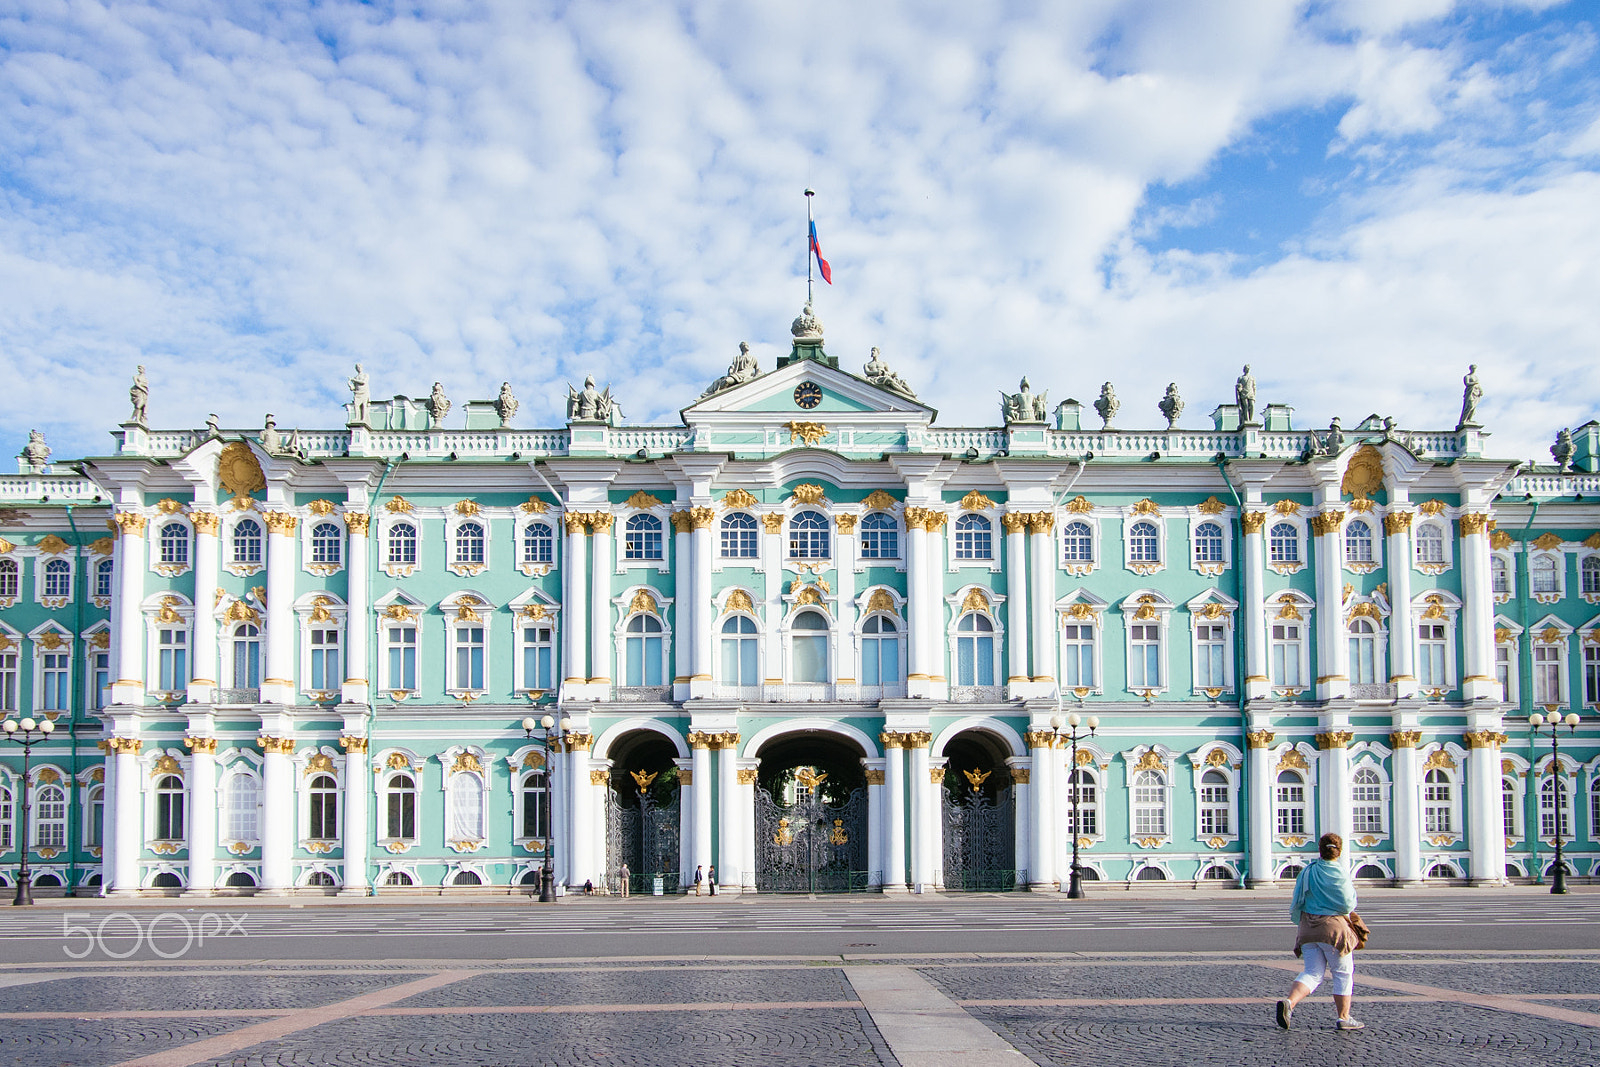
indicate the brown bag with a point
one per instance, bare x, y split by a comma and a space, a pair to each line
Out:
1360, 929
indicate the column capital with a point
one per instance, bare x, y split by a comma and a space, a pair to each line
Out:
747, 776
128, 523
846, 524
1334, 739
936, 775
206, 522
1405, 738
1260, 738
281, 745
916, 738
1253, 522
701, 739
600, 777
727, 739
351, 743
1474, 522
891, 739
121, 745
579, 742
1040, 739
702, 518
356, 522
280, 522
1397, 522
600, 521
1014, 521
1484, 739
201, 746
1041, 522
682, 521
576, 522
1327, 523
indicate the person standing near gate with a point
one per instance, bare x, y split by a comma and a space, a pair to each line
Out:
711, 878
699, 876
626, 877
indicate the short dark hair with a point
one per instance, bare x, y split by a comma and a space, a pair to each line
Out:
1330, 845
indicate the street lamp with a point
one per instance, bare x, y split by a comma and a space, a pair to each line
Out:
547, 880
1072, 722
1553, 721
26, 733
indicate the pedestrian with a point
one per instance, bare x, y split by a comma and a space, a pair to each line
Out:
699, 876
588, 887
1324, 901
711, 878
626, 876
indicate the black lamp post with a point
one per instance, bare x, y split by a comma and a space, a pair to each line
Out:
1553, 722
547, 879
1072, 722
26, 733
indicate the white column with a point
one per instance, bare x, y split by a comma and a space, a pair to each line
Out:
128, 814
847, 653
894, 811
730, 831
921, 795
935, 653
1334, 777
933, 826
700, 684
700, 749
277, 682
574, 606
202, 842
876, 821
682, 610
600, 640
357, 622
129, 686
357, 834
1485, 821
204, 666
1333, 645
920, 615
1259, 765
1406, 791
581, 853
1397, 560
1477, 613
1042, 851
686, 821
277, 812
1022, 797
747, 823
1042, 572
108, 837
1017, 677
1257, 683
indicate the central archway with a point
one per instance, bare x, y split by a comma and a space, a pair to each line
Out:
980, 814
811, 815
643, 827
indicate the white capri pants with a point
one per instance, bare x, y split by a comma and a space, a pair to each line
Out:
1323, 959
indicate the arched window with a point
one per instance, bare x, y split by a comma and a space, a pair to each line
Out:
642, 651
1150, 874
6, 813
642, 538
9, 582
400, 816
1589, 572
538, 543
740, 663
974, 538
396, 878
246, 656
880, 651
880, 537
174, 544
58, 578
1430, 543
1144, 543
1594, 809
467, 878
1291, 804
1366, 802
169, 808
974, 650
324, 809
466, 807
470, 543
1077, 543
327, 543
1500, 575
1208, 543
319, 878
241, 808
1371, 870
1083, 782
1549, 789
1358, 542
103, 572
1543, 575
325, 675
809, 646
1283, 543
1215, 804
402, 543
1149, 804
535, 806
1363, 652
50, 817
740, 537
808, 536
247, 541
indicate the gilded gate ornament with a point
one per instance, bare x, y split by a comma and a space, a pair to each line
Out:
643, 780
976, 778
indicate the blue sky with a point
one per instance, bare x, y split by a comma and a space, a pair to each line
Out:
1359, 197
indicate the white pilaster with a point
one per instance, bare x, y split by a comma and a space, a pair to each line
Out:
935, 648
356, 685
1042, 853
582, 866
847, 654
700, 749
202, 840
700, 681
1397, 557
1259, 766
747, 808
877, 822
129, 687
277, 804
1485, 821
730, 828
920, 614
1042, 575
1406, 790
682, 611
1478, 681
357, 788
1022, 801
1016, 562
575, 606
1333, 644
600, 641
277, 682
129, 811
203, 685
1258, 684
1334, 775
921, 815
894, 812
933, 826
686, 821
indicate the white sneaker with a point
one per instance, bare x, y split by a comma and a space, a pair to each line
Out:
1351, 1023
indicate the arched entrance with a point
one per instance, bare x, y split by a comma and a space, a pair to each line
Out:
811, 815
979, 815
642, 828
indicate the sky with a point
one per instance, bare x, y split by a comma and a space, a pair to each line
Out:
1359, 198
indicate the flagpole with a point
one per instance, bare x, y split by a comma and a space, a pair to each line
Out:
809, 194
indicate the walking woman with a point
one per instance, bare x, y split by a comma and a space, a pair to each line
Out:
1324, 897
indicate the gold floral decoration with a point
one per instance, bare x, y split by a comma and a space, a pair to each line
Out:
643, 501
808, 493
976, 501
738, 498
878, 500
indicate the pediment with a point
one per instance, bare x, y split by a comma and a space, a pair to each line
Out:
838, 394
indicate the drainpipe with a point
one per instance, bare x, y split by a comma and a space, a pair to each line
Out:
372, 653
80, 664
1530, 798
1238, 662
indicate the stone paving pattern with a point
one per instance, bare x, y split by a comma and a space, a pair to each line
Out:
271, 991
96, 1042
639, 987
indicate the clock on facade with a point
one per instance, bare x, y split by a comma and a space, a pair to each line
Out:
808, 395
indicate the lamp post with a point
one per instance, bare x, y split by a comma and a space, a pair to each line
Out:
547, 879
1072, 722
1553, 721
31, 733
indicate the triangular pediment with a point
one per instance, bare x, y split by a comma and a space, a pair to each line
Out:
805, 389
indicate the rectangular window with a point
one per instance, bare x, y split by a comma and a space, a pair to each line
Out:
1144, 659
1547, 674
1431, 656
402, 641
50, 815
325, 676
8, 681
241, 808
402, 813
1286, 655
6, 811
535, 807
99, 679
324, 815
173, 667
538, 658
1591, 682
1436, 808
1292, 808
1502, 670
1210, 647
469, 657
1077, 656
1508, 806
97, 819
56, 692
1213, 810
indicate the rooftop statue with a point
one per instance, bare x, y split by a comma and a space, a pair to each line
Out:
741, 370
360, 397
213, 429
36, 453
1333, 440
1024, 406
271, 439
1244, 394
140, 395
878, 373
590, 405
1562, 450
1471, 394
807, 327
506, 404
1171, 406
438, 405
1108, 405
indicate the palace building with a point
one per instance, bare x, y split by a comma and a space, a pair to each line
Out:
808, 639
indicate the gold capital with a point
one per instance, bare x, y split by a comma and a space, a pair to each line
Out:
1405, 738
1260, 738
130, 523
202, 745
1334, 739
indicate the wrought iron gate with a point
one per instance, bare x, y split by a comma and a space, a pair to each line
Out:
812, 847
645, 838
980, 842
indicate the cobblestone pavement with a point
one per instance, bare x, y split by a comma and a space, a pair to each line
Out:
1450, 1008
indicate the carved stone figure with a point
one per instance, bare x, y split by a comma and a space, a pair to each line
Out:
36, 453
1244, 394
806, 327
360, 397
271, 439
140, 395
1334, 441
1562, 449
1171, 405
1471, 394
590, 405
213, 429
1108, 405
506, 405
878, 373
438, 404
741, 370
1024, 406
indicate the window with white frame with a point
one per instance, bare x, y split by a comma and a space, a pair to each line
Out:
641, 538
974, 538
50, 816
1510, 810
1429, 543
1208, 542
169, 808
538, 543
1365, 660
808, 648
247, 542
1433, 644
1589, 576
402, 545
1358, 542
740, 651
1437, 804
466, 807
6, 814
1291, 807
1149, 804
469, 657
1500, 576
538, 655
10, 690
1594, 809
94, 820
325, 675
1084, 783
55, 679
327, 544
880, 650
1216, 804
241, 808
1366, 802
99, 665
1283, 543
533, 805
1505, 667
322, 809
400, 807
974, 649
1544, 575
1077, 543
1144, 543
1144, 655
172, 542
10, 582
1591, 677
1549, 672
1078, 655
1287, 651
740, 536
57, 580
471, 544
103, 572
643, 651
1210, 655
172, 659
400, 656
808, 536
880, 537
1553, 786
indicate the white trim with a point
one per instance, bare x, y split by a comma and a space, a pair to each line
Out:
1078, 568
1144, 568
995, 562
1224, 521
1161, 609
305, 527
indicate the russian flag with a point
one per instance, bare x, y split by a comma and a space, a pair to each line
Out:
816, 250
